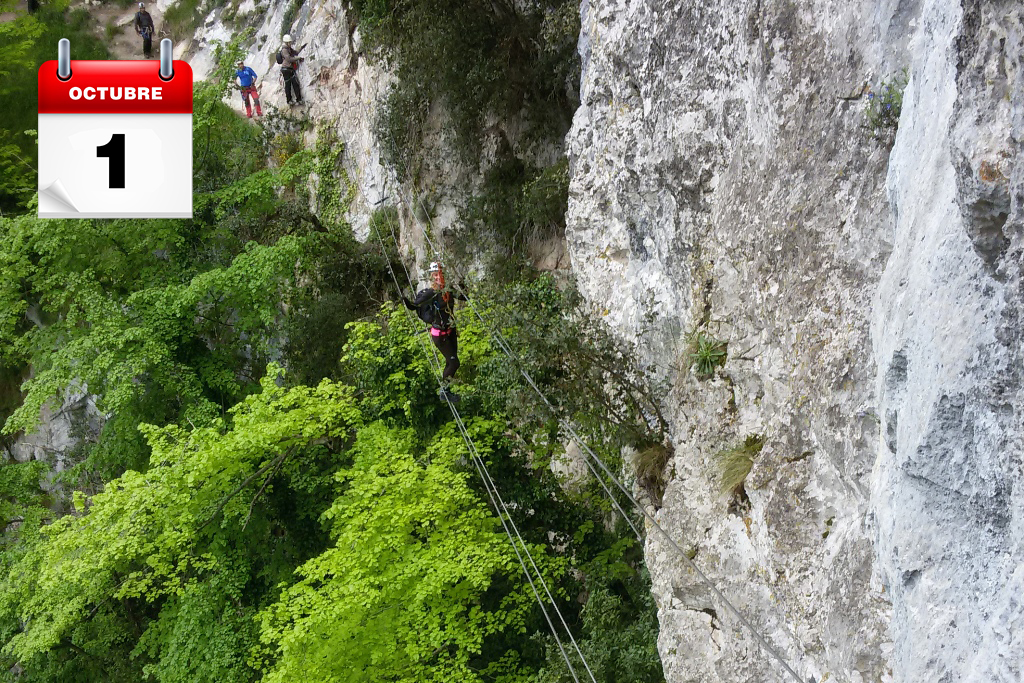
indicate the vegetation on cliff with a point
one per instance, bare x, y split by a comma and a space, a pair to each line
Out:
482, 64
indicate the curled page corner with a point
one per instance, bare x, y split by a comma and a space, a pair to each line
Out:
56, 193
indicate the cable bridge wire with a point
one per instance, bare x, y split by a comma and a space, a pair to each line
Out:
496, 501
481, 469
503, 345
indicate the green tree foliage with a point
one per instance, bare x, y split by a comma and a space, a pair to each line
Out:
176, 319
149, 535
107, 339
289, 542
620, 631
26, 41
234, 523
388, 362
398, 597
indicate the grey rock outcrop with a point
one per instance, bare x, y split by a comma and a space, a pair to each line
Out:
60, 432
723, 179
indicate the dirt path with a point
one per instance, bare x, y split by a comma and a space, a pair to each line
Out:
115, 26
19, 7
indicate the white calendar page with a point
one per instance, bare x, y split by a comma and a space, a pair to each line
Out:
74, 182
115, 141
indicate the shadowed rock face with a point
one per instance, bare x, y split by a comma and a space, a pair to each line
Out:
870, 293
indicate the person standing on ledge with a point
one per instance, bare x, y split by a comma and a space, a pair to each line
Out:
144, 27
247, 84
289, 59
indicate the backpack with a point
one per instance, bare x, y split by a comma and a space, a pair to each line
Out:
431, 308
426, 314
280, 57
425, 306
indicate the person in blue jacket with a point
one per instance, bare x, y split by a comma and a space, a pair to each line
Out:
247, 84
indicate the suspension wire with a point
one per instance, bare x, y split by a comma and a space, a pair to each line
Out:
485, 472
590, 466
482, 466
490, 486
435, 365
503, 345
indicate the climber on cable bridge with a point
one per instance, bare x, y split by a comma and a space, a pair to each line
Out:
434, 307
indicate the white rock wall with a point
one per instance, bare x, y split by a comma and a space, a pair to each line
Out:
948, 343
340, 87
60, 432
722, 177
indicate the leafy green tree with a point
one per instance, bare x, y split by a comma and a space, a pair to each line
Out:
171, 535
232, 524
108, 339
26, 41
387, 361
619, 637
166, 320
398, 597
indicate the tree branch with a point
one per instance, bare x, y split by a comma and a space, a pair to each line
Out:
274, 463
273, 473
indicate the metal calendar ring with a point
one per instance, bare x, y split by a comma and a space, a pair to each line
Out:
64, 59
166, 57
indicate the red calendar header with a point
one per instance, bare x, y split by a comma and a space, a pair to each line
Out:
115, 87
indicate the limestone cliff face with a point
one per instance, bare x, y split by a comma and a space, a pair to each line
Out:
723, 179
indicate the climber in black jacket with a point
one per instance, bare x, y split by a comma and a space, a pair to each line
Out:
434, 307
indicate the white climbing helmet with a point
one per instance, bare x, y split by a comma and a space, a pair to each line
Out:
434, 267
287, 39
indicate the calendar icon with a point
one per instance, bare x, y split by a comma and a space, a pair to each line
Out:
115, 138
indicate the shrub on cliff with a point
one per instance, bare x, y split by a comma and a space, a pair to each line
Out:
476, 58
884, 104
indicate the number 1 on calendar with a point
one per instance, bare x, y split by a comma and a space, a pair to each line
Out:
114, 150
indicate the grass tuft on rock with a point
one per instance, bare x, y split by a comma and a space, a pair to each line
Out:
650, 465
735, 463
